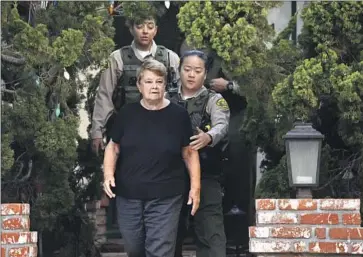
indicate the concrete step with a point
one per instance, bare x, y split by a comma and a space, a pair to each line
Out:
114, 248
116, 245
113, 255
185, 254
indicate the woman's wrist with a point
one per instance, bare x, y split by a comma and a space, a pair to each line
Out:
108, 174
194, 185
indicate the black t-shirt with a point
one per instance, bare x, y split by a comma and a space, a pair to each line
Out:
150, 163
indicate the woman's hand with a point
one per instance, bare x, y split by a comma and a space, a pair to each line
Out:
194, 198
109, 180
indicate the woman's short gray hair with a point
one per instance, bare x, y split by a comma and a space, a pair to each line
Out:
152, 65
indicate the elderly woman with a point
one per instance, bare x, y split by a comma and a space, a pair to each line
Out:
150, 142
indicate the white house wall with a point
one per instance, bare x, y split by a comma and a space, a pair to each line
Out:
84, 120
299, 23
280, 16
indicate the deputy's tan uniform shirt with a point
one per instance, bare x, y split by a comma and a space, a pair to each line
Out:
218, 110
103, 104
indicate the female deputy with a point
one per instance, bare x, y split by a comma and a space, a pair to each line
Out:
150, 144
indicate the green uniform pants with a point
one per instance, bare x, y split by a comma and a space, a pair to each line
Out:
210, 238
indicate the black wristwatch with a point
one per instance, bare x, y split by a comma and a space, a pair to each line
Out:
230, 86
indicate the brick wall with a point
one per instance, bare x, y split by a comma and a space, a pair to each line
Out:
307, 227
16, 239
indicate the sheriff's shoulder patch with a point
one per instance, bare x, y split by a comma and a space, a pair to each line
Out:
222, 103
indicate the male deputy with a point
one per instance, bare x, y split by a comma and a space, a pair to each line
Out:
209, 115
118, 82
239, 173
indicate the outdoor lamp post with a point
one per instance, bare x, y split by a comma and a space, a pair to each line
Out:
303, 147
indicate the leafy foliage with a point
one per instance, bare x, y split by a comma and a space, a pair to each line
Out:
41, 148
326, 89
239, 33
319, 80
7, 154
236, 31
137, 11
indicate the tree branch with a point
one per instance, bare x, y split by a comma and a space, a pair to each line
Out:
8, 91
13, 60
27, 176
351, 163
20, 171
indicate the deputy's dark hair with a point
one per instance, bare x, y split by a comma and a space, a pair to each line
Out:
197, 53
131, 22
137, 12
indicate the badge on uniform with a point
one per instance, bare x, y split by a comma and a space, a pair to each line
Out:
222, 103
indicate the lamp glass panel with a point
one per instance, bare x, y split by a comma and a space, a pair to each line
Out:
304, 161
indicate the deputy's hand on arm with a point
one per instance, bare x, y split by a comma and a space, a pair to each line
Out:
201, 140
97, 145
109, 166
191, 158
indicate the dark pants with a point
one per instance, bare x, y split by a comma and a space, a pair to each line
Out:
149, 228
208, 223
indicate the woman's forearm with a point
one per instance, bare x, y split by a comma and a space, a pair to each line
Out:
110, 159
192, 162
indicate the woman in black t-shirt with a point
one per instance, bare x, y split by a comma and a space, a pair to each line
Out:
150, 144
